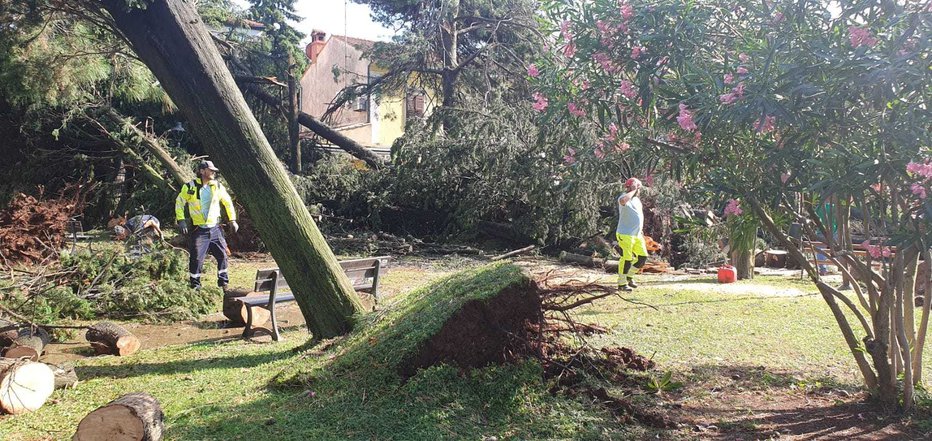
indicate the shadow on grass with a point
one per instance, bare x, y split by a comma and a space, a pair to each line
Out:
753, 402
131, 369
438, 403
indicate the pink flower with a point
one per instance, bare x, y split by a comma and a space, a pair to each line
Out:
599, 153
565, 30
859, 36
733, 208
575, 110
627, 89
887, 252
570, 157
878, 187
604, 61
685, 119
777, 18
622, 147
918, 190
743, 57
637, 51
739, 89
923, 169
765, 124
532, 71
728, 98
613, 130
784, 177
540, 102
627, 11
649, 180
742, 70
569, 50
729, 78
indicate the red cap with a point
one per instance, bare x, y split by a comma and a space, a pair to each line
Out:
632, 183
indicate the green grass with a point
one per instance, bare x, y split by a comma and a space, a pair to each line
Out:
700, 330
239, 390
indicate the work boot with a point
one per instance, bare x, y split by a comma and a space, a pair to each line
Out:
631, 284
625, 288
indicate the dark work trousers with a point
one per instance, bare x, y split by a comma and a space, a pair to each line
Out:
203, 241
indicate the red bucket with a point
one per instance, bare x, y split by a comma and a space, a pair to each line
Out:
727, 274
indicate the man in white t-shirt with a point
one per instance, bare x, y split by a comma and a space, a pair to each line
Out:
630, 235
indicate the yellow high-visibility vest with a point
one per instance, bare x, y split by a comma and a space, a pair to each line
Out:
190, 198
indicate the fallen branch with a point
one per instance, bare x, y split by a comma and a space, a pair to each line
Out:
514, 253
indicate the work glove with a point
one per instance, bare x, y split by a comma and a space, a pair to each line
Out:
183, 226
235, 226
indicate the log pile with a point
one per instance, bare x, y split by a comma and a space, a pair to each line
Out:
236, 312
136, 416
30, 343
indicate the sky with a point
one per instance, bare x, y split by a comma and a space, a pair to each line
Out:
331, 17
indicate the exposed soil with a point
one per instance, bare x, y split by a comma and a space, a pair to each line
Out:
483, 332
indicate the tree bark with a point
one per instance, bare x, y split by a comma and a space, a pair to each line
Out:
112, 339
293, 118
744, 264
65, 375
24, 385
170, 38
136, 416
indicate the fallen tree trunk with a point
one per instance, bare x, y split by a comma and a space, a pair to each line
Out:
24, 385
172, 40
315, 125
30, 344
137, 416
180, 174
579, 259
111, 339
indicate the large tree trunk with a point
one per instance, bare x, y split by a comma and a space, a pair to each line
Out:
744, 264
170, 38
136, 416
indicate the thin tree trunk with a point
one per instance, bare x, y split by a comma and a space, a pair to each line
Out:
180, 174
293, 118
169, 36
744, 264
924, 321
904, 357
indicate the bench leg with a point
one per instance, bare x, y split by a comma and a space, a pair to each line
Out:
247, 331
276, 336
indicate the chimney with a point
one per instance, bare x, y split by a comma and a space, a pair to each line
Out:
316, 45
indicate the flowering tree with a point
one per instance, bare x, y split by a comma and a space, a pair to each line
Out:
802, 111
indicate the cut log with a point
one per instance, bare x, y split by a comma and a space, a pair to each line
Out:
111, 339
8, 333
580, 259
29, 344
236, 312
24, 385
513, 253
775, 258
65, 376
136, 416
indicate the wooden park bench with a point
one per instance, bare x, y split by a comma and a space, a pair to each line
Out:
363, 273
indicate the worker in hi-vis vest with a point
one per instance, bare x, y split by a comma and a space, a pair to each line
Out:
630, 235
199, 203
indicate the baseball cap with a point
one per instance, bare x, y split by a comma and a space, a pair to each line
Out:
207, 165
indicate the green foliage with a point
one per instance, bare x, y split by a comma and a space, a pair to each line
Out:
112, 284
663, 383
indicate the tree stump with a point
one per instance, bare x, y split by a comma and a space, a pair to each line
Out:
112, 339
65, 376
29, 344
24, 385
136, 416
236, 312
